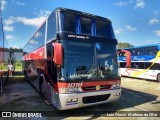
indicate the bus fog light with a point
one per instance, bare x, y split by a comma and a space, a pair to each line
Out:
116, 86
62, 90
75, 100
117, 94
69, 100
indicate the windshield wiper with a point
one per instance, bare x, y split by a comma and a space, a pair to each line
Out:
89, 69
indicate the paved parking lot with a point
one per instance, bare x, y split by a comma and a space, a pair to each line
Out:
137, 95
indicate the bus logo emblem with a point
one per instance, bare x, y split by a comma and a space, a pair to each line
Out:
97, 87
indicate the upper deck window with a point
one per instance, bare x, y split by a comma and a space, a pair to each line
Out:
85, 25
68, 22
104, 29
151, 50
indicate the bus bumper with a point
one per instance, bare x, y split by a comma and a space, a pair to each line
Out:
77, 100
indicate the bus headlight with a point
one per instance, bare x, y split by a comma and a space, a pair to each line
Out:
116, 86
70, 90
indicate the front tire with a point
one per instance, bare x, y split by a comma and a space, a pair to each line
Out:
158, 77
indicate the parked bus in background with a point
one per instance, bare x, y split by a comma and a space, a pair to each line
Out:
72, 60
145, 62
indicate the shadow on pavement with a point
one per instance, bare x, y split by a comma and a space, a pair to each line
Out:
20, 96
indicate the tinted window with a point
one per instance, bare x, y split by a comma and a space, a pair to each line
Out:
51, 29
134, 65
85, 25
156, 66
138, 51
36, 41
68, 22
151, 50
147, 65
122, 64
142, 65
104, 29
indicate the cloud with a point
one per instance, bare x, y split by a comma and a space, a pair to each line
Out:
31, 21
16, 47
8, 28
9, 21
140, 4
3, 4
153, 21
157, 32
123, 3
19, 3
41, 13
118, 30
36, 22
130, 28
10, 37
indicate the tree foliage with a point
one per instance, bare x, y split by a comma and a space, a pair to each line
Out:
124, 45
16, 49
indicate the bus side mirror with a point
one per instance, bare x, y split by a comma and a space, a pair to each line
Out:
128, 57
58, 54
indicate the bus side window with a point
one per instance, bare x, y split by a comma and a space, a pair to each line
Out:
85, 25
135, 65
122, 64
151, 50
156, 66
141, 65
51, 29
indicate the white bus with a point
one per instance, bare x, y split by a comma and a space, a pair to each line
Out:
145, 62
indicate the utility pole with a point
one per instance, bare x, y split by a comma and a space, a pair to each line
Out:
1, 50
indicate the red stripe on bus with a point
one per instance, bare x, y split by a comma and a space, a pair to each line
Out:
85, 84
35, 55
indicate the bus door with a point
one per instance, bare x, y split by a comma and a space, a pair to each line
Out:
51, 68
50, 73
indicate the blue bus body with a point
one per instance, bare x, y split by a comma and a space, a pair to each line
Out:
145, 62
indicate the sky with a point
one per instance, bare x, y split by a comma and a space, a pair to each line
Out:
134, 21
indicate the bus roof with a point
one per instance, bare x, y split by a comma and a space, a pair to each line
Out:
158, 45
81, 13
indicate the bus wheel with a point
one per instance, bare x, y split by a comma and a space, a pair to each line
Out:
158, 78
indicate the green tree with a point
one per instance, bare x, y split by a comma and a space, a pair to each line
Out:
124, 45
16, 49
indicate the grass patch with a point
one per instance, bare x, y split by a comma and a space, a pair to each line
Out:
3, 67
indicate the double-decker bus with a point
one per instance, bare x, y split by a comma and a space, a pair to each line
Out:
72, 60
145, 62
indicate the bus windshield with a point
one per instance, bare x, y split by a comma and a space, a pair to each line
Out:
107, 60
89, 60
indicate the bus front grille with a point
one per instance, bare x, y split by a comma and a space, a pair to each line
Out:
97, 98
102, 87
